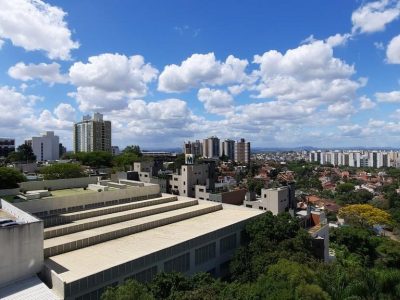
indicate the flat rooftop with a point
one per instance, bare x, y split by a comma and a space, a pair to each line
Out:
69, 192
77, 264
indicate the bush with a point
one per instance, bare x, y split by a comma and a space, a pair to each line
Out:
9, 178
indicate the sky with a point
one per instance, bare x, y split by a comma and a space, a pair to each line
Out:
278, 73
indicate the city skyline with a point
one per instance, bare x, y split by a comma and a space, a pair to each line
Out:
280, 74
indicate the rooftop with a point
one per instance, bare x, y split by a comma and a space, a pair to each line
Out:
84, 262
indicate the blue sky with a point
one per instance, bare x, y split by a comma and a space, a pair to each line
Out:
278, 73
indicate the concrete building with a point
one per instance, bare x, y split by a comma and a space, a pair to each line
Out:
21, 251
211, 147
242, 151
195, 148
92, 134
94, 239
228, 149
6, 146
46, 147
115, 150
275, 200
191, 175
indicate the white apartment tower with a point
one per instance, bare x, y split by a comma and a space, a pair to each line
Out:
46, 147
92, 134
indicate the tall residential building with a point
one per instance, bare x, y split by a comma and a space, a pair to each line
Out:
46, 147
92, 134
242, 151
211, 147
228, 149
6, 146
195, 148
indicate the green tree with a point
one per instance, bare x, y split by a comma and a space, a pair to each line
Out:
130, 290
62, 171
24, 153
95, 159
344, 188
9, 178
134, 149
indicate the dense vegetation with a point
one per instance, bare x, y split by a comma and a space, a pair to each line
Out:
24, 153
62, 171
9, 178
277, 262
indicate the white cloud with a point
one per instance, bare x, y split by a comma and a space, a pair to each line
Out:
366, 103
65, 112
379, 46
391, 97
1, 44
341, 109
216, 101
49, 73
338, 39
309, 72
201, 69
393, 51
107, 80
15, 107
374, 16
164, 122
36, 25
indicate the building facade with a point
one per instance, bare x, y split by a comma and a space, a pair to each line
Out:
46, 147
92, 134
195, 148
228, 149
211, 147
6, 146
242, 151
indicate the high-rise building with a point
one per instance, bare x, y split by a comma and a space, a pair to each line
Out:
242, 151
46, 147
92, 134
211, 147
115, 150
195, 148
6, 146
228, 149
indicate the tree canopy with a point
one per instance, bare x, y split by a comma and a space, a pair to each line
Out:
95, 159
24, 153
9, 178
62, 171
364, 215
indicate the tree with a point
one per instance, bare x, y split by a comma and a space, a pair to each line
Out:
134, 149
9, 178
24, 153
95, 159
130, 290
62, 171
125, 160
364, 215
255, 185
344, 188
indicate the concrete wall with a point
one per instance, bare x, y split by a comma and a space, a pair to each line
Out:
235, 197
61, 204
58, 184
11, 192
21, 246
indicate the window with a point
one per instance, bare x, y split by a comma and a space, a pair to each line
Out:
178, 264
204, 254
260, 207
201, 190
227, 244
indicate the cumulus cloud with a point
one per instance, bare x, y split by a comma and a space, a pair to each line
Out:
202, 69
36, 25
341, 108
216, 101
338, 39
49, 73
65, 112
393, 51
161, 122
107, 80
15, 107
366, 103
309, 72
391, 97
374, 16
